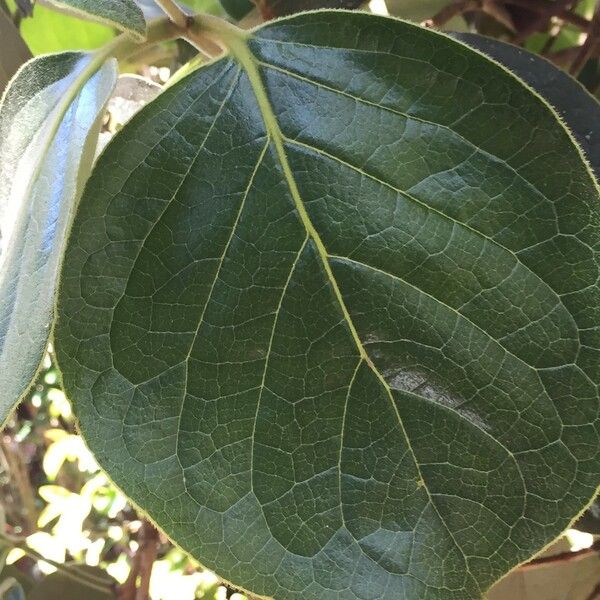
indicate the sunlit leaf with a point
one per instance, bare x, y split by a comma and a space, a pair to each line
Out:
330, 314
71, 448
49, 547
49, 121
421, 10
52, 31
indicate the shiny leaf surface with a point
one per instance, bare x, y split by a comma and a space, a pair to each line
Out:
49, 119
581, 113
579, 109
330, 314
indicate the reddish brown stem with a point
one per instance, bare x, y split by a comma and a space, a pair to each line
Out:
148, 551
137, 586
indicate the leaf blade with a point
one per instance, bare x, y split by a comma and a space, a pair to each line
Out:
298, 345
51, 31
42, 133
574, 103
125, 15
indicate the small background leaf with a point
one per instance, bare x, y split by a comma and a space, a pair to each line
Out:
49, 30
123, 14
58, 586
237, 9
45, 157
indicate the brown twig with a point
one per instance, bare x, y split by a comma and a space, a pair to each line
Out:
552, 9
148, 551
589, 46
544, 14
563, 58
137, 585
572, 17
19, 475
546, 9
555, 559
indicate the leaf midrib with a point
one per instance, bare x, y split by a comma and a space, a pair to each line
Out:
241, 52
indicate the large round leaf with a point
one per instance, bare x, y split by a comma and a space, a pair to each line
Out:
329, 313
579, 109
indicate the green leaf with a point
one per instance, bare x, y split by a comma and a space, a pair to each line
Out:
576, 106
125, 15
278, 8
151, 10
581, 113
420, 10
329, 314
237, 9
207, 6
59, 586
51, 31
49, 121
13, 51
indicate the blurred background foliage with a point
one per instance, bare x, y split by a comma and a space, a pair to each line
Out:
58, 505
68, 533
